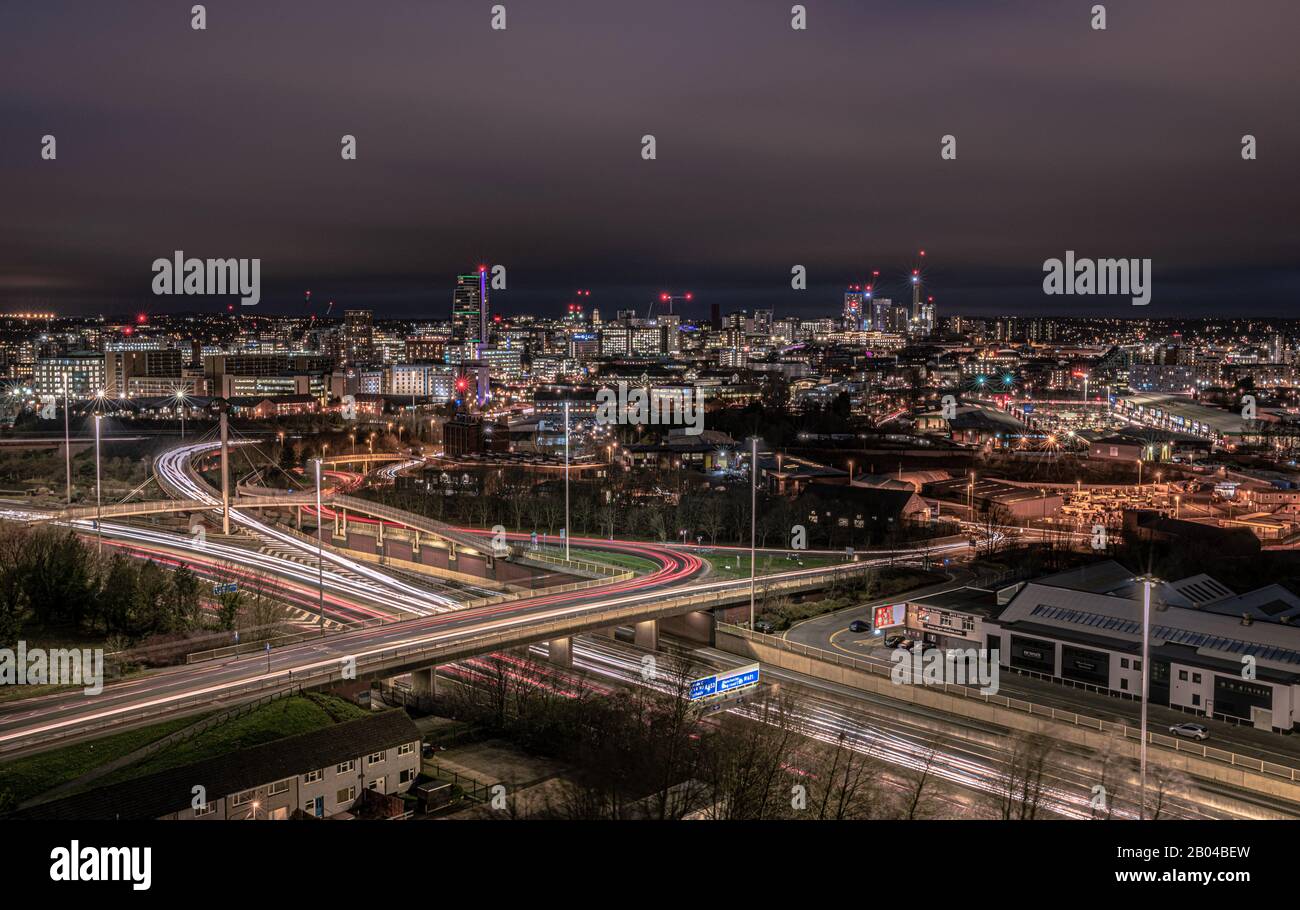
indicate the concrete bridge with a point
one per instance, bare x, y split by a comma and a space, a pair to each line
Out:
163, 506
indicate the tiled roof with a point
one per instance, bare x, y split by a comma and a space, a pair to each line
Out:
156, 795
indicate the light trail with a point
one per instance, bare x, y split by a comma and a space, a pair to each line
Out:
174, 469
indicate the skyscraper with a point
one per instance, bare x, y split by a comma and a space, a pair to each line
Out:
469, 308
855, 303
882, 319
358, 336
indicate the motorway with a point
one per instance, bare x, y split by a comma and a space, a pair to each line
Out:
969, 754
354, 590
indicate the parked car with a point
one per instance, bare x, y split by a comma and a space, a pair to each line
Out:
859, 625
899, 641
1190, 730
765, 626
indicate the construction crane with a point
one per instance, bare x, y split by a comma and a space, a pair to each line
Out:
667, 298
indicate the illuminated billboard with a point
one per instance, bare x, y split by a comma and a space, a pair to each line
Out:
889, 616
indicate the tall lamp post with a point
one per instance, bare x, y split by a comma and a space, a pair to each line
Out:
320, 549
1147, 582
99, 501
566, 480
67, 437
753, 523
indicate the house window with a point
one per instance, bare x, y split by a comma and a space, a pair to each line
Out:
346, 795
345, 767
375, 758
280, 786
1123, 684
205, 809
1182, 676
1137, 665
240, 798
406, 748
1196, 700
1123, 663
312, 776
1196, 678
967, 623
407, 775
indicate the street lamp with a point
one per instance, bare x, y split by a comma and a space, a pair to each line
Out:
320, 548
566, 480
99, 502
67, 437
753, 523
1147, 581
180, 409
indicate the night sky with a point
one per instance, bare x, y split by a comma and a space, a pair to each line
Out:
775, 148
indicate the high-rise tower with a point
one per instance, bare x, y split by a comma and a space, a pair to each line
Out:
469, 307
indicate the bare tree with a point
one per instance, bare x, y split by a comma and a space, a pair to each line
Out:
918, 786
849, 785
1165, 784
1019, 793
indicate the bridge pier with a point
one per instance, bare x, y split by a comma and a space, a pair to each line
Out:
647, 635
559, 651
424, 683
697, 626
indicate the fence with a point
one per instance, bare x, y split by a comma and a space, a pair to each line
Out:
470, 788
885, 667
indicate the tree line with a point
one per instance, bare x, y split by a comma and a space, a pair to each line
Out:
54, 582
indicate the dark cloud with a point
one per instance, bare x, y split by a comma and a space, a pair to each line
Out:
775, 147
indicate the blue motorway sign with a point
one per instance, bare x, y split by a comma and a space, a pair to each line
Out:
229, 587
722, 683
